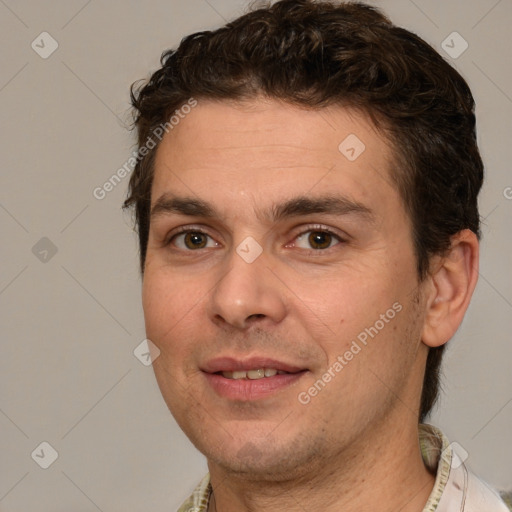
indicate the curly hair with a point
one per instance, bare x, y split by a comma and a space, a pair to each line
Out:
316, 54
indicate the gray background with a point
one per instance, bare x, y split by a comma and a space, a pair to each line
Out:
70, 321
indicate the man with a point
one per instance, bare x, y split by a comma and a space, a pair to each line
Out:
306, 202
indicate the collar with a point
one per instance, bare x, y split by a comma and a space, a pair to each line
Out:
455, 488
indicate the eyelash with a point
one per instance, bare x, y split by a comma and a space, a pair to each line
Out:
323, 230
185, 230
312, 228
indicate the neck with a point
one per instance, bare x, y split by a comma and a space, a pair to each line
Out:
381, 471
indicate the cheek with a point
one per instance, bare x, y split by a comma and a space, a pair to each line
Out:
173, 309
163, 306
154, 298
359, 306
346, 298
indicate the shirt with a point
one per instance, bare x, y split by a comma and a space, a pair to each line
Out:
456, 489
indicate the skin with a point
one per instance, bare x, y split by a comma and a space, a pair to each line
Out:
354, 446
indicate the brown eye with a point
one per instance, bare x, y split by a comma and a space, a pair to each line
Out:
195, 240
320, 239
317, 240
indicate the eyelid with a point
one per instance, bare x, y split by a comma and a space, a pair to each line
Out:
186, 229
342, 236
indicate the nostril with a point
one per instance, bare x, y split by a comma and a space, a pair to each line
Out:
255, 316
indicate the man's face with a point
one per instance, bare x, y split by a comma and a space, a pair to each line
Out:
273, 247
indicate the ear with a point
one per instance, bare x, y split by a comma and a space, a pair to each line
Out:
453, 279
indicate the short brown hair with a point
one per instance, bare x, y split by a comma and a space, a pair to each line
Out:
316, 54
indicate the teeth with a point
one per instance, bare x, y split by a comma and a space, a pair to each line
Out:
253, 374
256, 374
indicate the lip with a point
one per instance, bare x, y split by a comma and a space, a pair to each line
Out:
231, 364
247, 390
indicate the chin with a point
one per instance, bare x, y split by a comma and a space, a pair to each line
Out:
265, 462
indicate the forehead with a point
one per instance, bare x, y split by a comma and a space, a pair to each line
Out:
265, 149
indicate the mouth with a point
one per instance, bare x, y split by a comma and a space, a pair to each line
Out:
255, 367
261, 373
248, 379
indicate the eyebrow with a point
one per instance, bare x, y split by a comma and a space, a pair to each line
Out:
296, 207
167, 204
333, 205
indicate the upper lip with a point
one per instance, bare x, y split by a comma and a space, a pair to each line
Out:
231, 364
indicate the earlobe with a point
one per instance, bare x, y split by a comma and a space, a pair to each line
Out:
453, 279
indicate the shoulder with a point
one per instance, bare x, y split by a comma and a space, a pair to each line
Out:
481, 497
456, 487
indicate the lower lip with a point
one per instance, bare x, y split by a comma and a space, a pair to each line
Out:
247, 389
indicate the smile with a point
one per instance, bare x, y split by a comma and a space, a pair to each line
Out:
253, 374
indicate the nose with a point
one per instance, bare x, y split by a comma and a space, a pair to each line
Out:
248, 293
